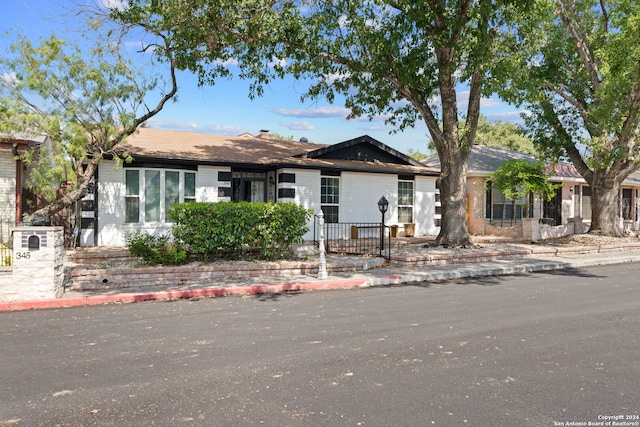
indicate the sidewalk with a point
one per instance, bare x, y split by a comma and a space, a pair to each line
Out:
382, 276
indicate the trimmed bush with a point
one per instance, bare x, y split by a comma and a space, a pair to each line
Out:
231, 230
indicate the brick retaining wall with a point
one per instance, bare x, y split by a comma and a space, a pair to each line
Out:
80, 278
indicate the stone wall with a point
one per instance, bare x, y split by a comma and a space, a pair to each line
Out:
38, 264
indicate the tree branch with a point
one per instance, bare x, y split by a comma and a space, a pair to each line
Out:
605, 18
564, 94
567, 143
577, 34
630, 124
140, 120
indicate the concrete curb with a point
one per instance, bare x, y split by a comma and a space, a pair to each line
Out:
464, 271
211, 292
449, 272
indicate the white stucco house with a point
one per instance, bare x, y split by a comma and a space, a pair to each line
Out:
345, 180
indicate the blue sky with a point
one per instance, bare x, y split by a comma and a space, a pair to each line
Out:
226, 108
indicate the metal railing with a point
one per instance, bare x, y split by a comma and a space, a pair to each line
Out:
362, 238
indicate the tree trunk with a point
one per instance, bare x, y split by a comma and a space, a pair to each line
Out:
605, 217
81, 190
452, 182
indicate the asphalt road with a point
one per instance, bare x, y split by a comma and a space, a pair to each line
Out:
547, 349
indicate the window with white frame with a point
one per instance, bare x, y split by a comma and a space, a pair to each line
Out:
150, 193
330, 197
405, 201
132, 196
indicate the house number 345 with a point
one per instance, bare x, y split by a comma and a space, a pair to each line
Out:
23, 255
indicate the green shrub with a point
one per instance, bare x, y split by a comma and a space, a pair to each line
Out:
231, 230
155, 250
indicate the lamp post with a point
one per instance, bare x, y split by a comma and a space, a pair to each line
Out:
383, 205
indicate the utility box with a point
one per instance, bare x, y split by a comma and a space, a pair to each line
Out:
38, 264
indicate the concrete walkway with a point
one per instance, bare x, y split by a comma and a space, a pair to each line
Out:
382, 276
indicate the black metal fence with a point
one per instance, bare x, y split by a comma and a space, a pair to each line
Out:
362, 238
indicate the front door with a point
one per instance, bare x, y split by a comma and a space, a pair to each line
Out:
553, 208
249, 187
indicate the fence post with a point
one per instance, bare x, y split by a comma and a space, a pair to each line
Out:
322, 268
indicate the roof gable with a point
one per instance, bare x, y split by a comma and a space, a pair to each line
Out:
362, 149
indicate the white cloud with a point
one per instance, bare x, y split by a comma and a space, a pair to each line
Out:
375, 127
310, 113
113, 4
509, 116
227, 63
463, 100
195, 127
9, 79
302, 125
489, 103
331, 78
278, 62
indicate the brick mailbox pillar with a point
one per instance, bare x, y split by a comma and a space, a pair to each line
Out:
38, 270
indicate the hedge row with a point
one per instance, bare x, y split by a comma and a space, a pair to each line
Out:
230, 230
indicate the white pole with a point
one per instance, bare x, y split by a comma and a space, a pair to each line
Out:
322, 268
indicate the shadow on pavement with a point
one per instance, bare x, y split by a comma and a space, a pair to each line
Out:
275, 296
571, 272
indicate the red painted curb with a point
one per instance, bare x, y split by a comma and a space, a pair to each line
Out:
180, 294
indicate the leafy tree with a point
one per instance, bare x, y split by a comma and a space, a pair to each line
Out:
86, 102
496, 133
400, 59
417, 155
582, 86
517, 178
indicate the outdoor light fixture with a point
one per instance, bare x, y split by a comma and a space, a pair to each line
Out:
383, 205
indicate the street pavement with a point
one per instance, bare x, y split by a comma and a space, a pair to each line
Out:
549, 349
386, 275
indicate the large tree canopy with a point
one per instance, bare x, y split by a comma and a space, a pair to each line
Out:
582, 86
404, 60
497, 133
87, 102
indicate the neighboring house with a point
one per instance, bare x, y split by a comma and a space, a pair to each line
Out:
13, 176
489, 213
345, 180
